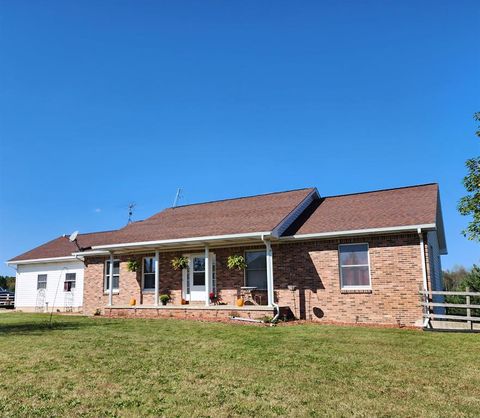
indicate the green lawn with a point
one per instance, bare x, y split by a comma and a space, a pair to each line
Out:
96, 367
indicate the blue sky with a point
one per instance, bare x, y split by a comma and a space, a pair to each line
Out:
104, 103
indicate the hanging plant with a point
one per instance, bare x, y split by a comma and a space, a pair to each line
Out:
132, 265
179, 263
236, 262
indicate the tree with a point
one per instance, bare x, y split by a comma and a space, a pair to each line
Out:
470, 204
452, 278
7, 282
461, 280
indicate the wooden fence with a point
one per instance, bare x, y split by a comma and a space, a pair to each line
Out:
449, 321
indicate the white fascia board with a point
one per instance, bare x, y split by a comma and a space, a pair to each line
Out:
90, 253
43, 260
366, 231
211, 238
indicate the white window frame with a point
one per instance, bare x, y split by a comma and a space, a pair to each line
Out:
149, 289
107, 278
70, 281
46, 281
360, 287
245, 271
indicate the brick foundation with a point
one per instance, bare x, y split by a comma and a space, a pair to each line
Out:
188, 313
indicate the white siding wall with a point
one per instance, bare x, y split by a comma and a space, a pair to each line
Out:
26, 294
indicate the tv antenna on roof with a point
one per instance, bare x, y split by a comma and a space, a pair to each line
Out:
73, 238
177, 197
131, 206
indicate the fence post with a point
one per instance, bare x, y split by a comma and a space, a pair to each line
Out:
469, 312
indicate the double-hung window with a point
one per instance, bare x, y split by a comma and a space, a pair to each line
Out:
41, 281
354, 266
116, 275
70, 280
149, 273
256, 271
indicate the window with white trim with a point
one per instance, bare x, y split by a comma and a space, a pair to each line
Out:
354, 266
256, 271
41, 281
149, 273
70, 281
116, 275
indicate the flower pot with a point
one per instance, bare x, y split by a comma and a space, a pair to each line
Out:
133, 302
239, 303
164, 302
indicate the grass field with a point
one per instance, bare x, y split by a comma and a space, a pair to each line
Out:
100, 367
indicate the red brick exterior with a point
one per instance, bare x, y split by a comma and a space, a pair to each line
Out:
311, 266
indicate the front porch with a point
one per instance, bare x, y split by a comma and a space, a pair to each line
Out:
198, 312
204, 287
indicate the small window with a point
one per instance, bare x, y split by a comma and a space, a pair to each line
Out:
69, 284
256, 271
41, 281
116, 275
354, 266
149, 273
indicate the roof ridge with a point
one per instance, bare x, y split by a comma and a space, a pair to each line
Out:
238, 198
97, 232
382, 190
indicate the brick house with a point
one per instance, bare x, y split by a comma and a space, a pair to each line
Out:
357, 258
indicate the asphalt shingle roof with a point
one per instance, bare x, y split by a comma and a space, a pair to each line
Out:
415, 205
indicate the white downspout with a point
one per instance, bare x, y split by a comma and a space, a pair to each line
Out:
207, 276
110, 282
157, 278
270, 285
426, 321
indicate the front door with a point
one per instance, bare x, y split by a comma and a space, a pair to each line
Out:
197, 278
194, 278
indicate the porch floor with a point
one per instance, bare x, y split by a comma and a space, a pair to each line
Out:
197, 307
214, 312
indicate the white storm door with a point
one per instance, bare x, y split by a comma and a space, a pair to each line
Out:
197, 278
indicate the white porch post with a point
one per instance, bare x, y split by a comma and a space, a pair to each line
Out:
157, 278
269, 263
110, 282
207, 276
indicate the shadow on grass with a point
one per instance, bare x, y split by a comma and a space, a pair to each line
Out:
41, 327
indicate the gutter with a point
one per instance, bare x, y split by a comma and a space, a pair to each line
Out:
41, 260
354, 232
180, 241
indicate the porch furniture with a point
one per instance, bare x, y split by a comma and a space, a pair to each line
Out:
248, 294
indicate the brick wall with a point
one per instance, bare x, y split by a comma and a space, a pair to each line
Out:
312, 267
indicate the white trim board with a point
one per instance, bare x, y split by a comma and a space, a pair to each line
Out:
366, 231
43, 260
182, 240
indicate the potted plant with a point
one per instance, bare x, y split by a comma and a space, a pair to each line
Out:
212, 297
132, 265
236, 262
179, 263
164, 299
